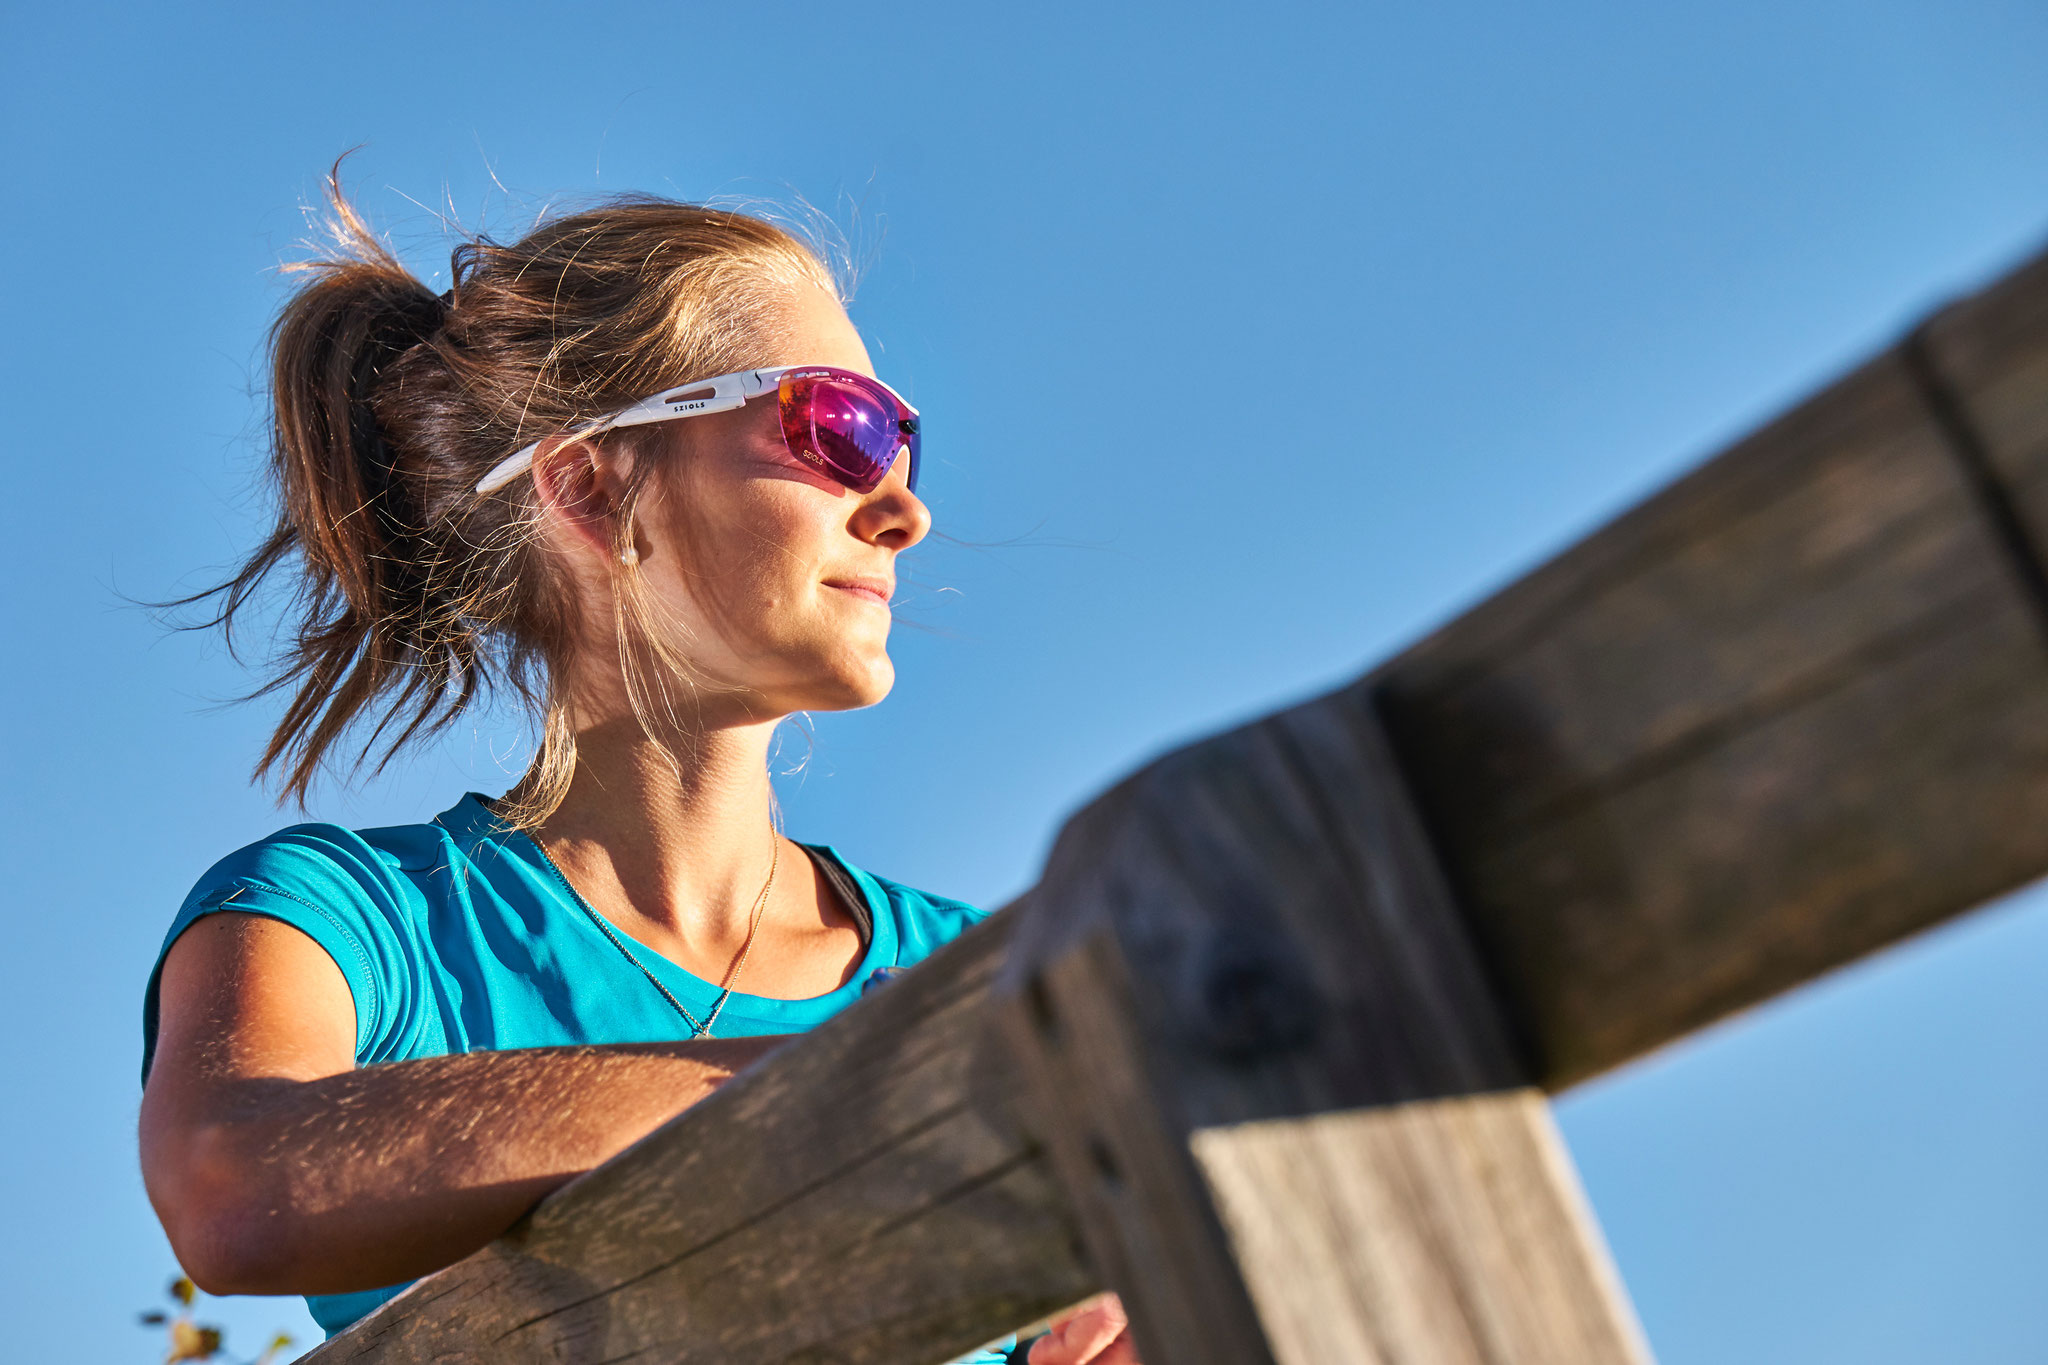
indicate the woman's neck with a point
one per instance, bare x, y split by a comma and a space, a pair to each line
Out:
681, 841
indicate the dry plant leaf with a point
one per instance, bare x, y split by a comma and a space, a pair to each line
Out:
190, 1341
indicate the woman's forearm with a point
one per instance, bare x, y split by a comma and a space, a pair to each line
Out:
382, 1174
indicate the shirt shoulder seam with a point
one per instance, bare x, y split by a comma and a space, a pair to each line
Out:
355, 943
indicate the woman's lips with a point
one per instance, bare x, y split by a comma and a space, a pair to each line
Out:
874, 590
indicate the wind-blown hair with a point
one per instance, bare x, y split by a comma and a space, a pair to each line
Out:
413, 595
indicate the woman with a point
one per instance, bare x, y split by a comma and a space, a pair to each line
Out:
635, 468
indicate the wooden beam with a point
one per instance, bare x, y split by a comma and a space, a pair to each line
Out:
1268, 1052
848, 1199
1780, 715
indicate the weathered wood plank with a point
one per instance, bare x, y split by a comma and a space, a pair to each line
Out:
1782, 714
1274, 1081
850, 1200
1462, 1202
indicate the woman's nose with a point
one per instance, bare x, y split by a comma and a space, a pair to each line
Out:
893, 516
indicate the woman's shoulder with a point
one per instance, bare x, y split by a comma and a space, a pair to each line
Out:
328, 862
357, 884
358, 893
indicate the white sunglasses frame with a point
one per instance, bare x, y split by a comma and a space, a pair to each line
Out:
721, 393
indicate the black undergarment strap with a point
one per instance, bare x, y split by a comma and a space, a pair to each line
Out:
849, 891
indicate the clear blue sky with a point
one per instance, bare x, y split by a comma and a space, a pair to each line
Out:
1428, 292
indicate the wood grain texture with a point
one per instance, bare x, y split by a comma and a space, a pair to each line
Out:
1272, 1077
1445, 1214
1784, 713
846, 1200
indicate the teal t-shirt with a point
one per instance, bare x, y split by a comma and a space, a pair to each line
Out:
460, 936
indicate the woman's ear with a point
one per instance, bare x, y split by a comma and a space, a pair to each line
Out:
581, 491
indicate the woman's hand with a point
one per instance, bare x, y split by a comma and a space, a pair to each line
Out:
1096, 1333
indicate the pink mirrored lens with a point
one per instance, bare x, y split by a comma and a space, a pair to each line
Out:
847, 425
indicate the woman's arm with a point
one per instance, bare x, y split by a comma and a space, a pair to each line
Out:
278, 1166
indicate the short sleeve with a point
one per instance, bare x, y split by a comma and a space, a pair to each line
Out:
328, 884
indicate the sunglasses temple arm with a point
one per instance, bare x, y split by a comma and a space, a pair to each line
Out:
728, 392
507, 470
641, 414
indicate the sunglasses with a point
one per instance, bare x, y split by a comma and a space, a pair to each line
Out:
845, 424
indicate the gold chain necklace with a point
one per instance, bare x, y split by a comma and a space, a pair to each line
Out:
760, 907
697, 1030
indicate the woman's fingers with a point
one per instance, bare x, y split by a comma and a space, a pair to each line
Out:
1092, 1334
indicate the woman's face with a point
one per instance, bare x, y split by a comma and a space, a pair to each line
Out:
772, 579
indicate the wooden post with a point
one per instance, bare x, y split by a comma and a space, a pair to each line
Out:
1276, 1083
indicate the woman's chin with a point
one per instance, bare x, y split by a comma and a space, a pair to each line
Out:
851, 688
